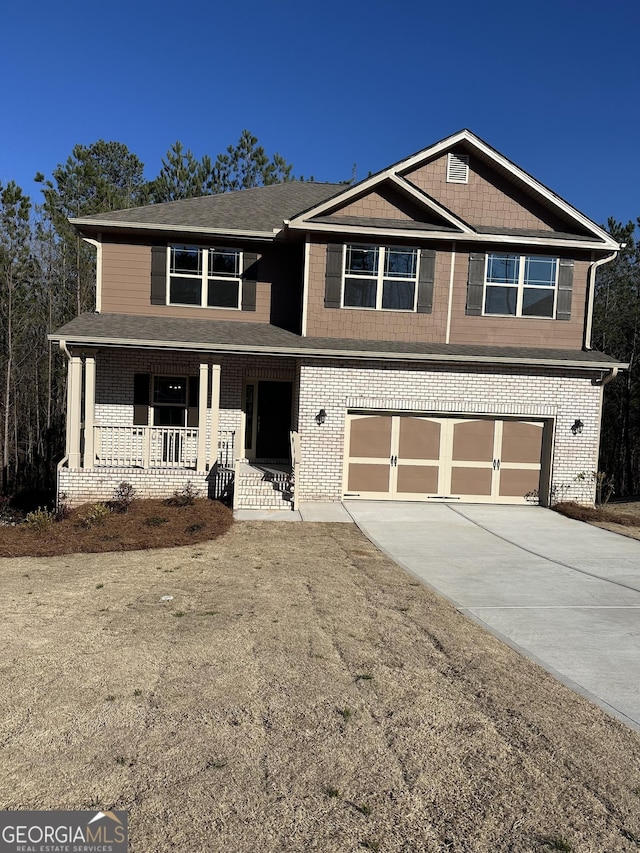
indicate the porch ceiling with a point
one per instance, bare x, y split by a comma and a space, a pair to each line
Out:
122, 330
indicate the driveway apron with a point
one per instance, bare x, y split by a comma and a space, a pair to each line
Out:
564, 593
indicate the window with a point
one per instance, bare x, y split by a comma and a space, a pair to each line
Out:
204, 277
382, 277
169, 401
521, 285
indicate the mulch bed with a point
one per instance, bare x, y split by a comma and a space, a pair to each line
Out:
598, 514
146, 524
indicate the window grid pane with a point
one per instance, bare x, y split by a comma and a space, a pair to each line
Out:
223, 294
400, 263
398, 295
224, 263
540, 272
360, 293
186, 260
503, 269
362, 260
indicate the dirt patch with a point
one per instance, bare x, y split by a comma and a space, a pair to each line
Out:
93, 528
298, 692
622, 517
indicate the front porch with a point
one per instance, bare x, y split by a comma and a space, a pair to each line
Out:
159, 421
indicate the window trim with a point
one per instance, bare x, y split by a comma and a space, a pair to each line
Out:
205, 277
520, 286
379, 277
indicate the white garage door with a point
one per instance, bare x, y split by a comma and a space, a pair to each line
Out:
407, 457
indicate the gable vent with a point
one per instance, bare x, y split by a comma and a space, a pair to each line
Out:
458, 169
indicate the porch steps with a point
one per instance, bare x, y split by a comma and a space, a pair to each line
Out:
262, 487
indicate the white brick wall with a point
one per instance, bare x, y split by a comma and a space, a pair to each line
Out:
338, 385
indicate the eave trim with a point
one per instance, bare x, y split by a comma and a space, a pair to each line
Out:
302, 352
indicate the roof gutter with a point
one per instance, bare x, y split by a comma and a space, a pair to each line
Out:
317, 352
592, 293
608, 377
85, 222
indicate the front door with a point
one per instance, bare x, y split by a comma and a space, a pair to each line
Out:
273, 421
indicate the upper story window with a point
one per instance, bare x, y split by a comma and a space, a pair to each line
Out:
204, 277
382, 277
521, 285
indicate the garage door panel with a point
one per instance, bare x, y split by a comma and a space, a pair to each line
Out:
371, 437
521, 442
368, 478
471, 481
417, 479
518, 482
473, 441
419, 438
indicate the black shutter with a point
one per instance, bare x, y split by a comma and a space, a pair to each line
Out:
249, 280
425, 281
333, 277
475, 283
158, 275
141, 386
565, 289
193, 396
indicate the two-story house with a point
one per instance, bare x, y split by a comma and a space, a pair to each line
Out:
421, 335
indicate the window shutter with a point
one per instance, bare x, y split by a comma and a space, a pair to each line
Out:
565, 288
249, 280
475, 283
333, 277
193, 397
425, 281
141, 386
158, 275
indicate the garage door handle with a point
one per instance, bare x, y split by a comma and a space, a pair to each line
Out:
394, 461
496, 464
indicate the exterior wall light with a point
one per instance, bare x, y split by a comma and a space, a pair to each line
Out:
321, 417
577, 427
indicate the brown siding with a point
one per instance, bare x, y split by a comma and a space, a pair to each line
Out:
126, 289
374, 206
522, 331
488, 199
369, 324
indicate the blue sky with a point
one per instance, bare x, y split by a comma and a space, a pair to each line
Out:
552, 85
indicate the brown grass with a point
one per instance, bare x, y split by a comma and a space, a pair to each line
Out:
146, 524
312, 696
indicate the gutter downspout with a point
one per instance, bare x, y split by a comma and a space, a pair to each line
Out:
592, 292
98, 246
606, 378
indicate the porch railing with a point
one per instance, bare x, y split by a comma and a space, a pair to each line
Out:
146, 447
226, 448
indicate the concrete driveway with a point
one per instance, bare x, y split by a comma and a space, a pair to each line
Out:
562, 592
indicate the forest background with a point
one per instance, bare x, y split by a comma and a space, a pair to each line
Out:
47, 276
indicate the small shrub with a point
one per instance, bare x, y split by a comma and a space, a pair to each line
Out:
63, 507
195, 528
332, 793
94, 515
345, 713
40, 519
155, 521
604, 483
123, 496
184, 496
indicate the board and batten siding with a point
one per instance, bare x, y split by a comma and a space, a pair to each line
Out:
126, 289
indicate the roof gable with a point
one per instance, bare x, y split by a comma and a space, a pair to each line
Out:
503, 198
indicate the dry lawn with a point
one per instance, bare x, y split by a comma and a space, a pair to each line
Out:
299, 693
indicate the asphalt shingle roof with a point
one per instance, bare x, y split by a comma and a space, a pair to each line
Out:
255, 209
263, 338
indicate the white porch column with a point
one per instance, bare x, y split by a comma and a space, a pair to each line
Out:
203, 394
89, 407
74, 410
215, 413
